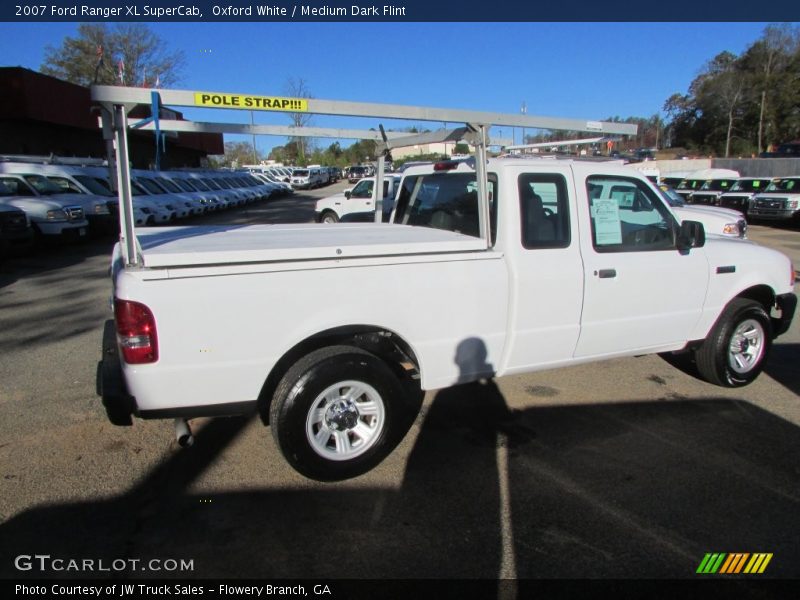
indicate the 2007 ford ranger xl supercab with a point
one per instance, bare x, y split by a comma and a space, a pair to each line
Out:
336, 326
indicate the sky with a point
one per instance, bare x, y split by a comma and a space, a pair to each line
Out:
587, 71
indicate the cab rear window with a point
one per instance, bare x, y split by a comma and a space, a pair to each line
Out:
444, 201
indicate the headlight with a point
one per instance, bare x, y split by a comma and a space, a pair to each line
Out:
56, 215
792, 204
731, 229
101, 209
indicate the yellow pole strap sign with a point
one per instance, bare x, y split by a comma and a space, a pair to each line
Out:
213, 100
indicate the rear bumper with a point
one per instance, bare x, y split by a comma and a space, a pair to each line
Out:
786, 303
119, 404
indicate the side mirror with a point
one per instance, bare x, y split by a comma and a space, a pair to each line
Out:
347, 193
691, 234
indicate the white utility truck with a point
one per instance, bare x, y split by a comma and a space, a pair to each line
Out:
497, 267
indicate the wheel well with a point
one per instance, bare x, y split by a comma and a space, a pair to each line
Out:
762, 294
387, 345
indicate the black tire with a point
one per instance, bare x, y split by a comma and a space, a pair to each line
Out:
329, 217
332, 440
717, 362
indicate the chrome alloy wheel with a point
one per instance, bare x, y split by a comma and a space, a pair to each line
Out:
345, 420
747, 346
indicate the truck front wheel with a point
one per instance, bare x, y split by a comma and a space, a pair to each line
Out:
337, 413
734, 352
329, 217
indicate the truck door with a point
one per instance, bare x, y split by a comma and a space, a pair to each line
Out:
640, 292
547, 292
362, 196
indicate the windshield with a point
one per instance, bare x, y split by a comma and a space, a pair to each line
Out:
718, 185
184, 185
149, 185
65, 184
749, 185
168, 184
210, 184
300, 173
199, 184
690, 184
43, 185
791, 185
93, 185
222, 183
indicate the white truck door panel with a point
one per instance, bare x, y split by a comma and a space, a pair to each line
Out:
548, 274
640, 292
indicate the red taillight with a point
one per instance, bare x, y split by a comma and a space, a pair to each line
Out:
136, 332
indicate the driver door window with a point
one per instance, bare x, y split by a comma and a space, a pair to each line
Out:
362, 190
626, 216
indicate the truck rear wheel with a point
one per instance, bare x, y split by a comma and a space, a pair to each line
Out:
734, 352
337, 413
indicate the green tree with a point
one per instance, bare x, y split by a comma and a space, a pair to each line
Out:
720, 93
741, 103
122, 54
769, 63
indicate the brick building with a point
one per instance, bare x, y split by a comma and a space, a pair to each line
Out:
42, 115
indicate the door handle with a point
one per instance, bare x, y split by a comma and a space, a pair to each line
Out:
606, 273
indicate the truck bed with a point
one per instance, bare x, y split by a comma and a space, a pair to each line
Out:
232, 244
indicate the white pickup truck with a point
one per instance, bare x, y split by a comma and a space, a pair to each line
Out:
356, 200
336, 325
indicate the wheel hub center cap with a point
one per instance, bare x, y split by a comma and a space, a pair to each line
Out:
341, 415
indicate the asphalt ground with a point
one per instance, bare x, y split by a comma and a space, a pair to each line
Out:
626, 469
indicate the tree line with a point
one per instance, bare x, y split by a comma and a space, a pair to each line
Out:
742, 104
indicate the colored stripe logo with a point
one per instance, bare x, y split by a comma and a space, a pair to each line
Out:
735, 563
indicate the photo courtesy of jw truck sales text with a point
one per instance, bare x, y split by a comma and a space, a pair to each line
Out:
143, 590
